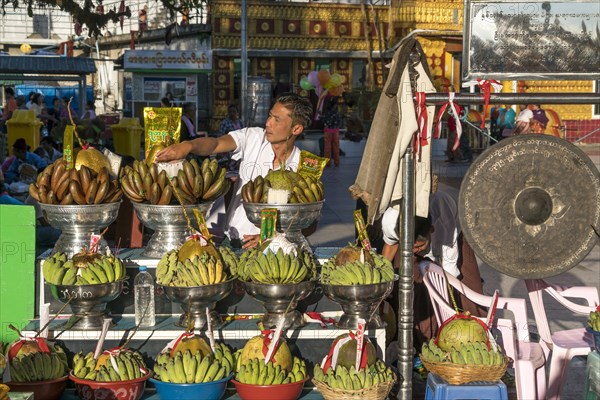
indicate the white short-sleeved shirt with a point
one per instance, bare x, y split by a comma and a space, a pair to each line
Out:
444, 239
256, 155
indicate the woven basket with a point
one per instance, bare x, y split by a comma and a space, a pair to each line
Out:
457, 374
375, 392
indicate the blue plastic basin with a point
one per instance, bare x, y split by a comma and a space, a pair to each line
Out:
191, 391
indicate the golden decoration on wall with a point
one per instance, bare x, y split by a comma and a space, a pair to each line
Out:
264, 64
317, 28
342, 64
237, 25
292, 27
264, 26
343, 29
222, 63
222, 78
304, 64
222, 94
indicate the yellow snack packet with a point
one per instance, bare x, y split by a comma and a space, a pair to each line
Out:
68, 146
161, 127
202, 227
311, 165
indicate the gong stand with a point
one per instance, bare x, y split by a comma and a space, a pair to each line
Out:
535, 207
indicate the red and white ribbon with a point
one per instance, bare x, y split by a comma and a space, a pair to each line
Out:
421, 139
454, 112
485, 86
318, 318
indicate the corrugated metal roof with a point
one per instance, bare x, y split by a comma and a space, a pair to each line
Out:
46, 65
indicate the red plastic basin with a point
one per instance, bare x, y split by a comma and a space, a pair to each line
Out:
289, 391
122, 390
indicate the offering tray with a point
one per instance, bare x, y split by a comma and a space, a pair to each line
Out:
78, 223
359, 301
169, 224
277, 297
199, 298
88, 303
291, 219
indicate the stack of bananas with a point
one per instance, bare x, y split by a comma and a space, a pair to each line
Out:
358, 272
302, 189
187, 368
122, 366
57, 185
200, 270
39, 366
230, 259
268, 267
193, 184
2, 359
594, 320
350, 379
255, 372
91, 271
472, 353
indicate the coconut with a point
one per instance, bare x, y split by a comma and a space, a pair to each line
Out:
461, 329
256, 348
347, 352
92, 159
81, 259
352, 253
193, 344
23, 347
151, 157
196, 247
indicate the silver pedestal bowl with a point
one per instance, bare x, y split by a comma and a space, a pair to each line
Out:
291, 219
88, 302
195, 300
277, 297
78, 223
359, 301
169, 225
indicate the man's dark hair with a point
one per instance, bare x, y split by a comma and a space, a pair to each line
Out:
422, 227
300, 108
188, 107
9, 91
49, 140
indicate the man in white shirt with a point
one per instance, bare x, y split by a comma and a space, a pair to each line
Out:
259, 151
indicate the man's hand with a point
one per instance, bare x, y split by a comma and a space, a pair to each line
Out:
250, 241
174, 152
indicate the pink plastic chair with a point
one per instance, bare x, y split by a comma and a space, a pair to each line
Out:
564, 344
529, 360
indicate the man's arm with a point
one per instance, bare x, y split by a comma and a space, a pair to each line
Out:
200, 146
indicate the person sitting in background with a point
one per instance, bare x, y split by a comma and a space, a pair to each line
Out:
22, 156
48, 150
188, 129
165, 102
5, 198
232, 122
21, 102
9, 107
29, 100
506, 121
90, 110
523, 122
66, 108
540, 117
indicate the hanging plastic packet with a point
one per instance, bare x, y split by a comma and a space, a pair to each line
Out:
268, 223
162, 128
68, 147
361, 228
202, 227
311, 165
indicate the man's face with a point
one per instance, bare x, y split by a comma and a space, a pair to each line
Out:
279, 125
19, 153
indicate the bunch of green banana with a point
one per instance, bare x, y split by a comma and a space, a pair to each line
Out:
357, 272
38, 366
197, 271
255, 372
92, 269
350, 379
268, 267
230, 258
594, 320
125, 365
475, 353
194, 368
302, 189
193, 184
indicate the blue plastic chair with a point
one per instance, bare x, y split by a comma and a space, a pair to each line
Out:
439, 389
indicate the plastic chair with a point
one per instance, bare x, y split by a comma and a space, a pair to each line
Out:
438, 389
564, 344
528, 357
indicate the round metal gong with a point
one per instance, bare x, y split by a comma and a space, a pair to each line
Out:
528, 205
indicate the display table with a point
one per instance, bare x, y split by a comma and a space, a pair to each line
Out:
307, 394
